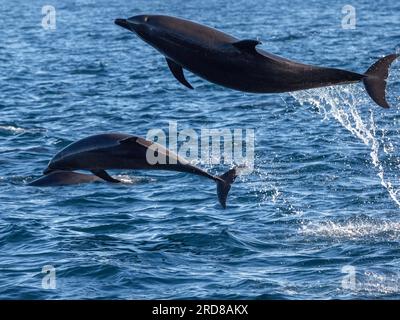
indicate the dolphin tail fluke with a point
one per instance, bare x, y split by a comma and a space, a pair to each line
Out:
224, 183
375, 80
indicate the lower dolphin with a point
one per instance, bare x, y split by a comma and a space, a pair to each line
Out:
101, 152
63, 178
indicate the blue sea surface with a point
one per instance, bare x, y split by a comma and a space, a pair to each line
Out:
318, 218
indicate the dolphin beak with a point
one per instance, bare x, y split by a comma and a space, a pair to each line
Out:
122, 23
47, 170
130, 24
134, 24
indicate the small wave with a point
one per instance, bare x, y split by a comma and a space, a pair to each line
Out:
92, 69
289, 36
14, 233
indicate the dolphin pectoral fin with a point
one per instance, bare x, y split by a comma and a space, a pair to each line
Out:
104, 175
177, 71
247, 45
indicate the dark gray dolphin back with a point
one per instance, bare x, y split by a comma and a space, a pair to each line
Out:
110, 140
192, 30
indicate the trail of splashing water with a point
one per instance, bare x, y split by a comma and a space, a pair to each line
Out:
264, 189
128, 179
378, 283
268, 191
11, 129
341, 103
355, 228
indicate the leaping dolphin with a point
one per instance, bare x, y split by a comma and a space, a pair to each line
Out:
101, 152
238, 64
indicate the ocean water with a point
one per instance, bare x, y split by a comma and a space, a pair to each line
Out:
319, 217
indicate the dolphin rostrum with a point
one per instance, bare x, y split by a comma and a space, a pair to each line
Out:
238, 64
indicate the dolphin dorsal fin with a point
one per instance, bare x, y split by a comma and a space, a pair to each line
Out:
247, 45
177, 71
144, 142
135, 141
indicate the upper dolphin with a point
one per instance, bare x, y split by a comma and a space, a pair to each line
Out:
101, 152
238, 64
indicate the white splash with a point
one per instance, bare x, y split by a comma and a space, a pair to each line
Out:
341, 103
126, 179
378, 283
374, 283
12, 129
268, 191
353, 229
